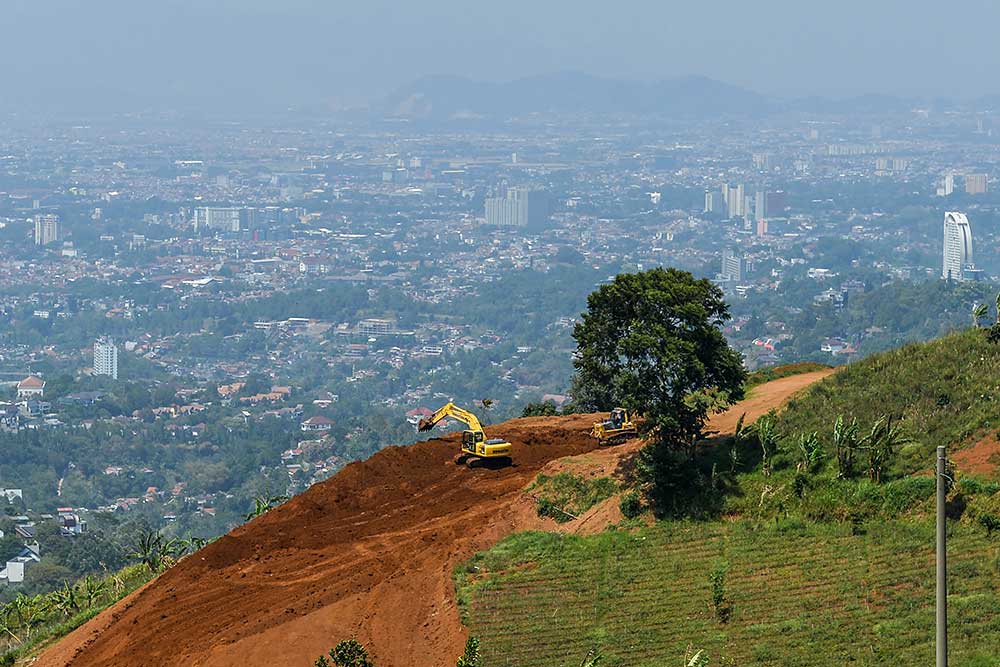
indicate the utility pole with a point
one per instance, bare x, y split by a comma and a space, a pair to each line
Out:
942, 560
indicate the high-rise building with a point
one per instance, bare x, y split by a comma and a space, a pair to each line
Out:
957, 247
732, 266
709, 203
759, 206
949, 184
775, 203
106, 358
224, 219
975, 184
46, 228
518, 207
736, 202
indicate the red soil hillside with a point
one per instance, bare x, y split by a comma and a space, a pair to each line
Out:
367, 554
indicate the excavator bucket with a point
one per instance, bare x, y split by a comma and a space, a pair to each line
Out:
425, 425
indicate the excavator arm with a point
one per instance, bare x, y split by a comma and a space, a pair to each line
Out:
474, 441
451, 410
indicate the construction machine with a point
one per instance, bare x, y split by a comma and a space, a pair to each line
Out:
474, 440
617, 428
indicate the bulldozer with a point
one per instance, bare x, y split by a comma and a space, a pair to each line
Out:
474, 440
617, 428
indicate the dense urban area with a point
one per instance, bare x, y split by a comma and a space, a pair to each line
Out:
198, 315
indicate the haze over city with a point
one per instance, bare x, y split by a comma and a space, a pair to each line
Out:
517, 334
231, 54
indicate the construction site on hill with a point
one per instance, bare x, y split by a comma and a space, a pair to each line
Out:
368, 553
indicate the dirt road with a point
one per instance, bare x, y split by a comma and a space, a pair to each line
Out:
367, 554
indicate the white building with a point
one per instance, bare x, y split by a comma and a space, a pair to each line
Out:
31, 387
975, 184
957, 261
225, 219
732, 266
518, 207
106, 358
735, 200
46, 229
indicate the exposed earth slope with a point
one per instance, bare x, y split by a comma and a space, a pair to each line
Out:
368, 553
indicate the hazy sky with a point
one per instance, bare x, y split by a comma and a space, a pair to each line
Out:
285, 52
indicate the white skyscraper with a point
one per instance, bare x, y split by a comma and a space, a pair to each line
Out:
957, 247
224, 219
106, 358
732, 266
735, 201
975, 184
46, 228
518, 207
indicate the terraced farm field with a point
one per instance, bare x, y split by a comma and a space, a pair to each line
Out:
807, 596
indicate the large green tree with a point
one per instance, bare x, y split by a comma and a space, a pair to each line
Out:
651, 342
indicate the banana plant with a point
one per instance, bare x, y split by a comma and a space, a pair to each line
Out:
980, 311
93, 589
845, 440
882, 442
64, 600
766, 429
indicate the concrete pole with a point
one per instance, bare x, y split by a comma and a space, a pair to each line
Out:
942, 561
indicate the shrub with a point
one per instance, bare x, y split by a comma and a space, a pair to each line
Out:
990, 522
903, 494
973, 486
471, 656
347, 653
546, 409
631, 504
717, 578
565, 496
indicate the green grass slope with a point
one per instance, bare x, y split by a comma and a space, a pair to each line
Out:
811, 596
824, 566
944, 392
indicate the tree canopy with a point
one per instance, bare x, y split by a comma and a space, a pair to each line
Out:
650, 342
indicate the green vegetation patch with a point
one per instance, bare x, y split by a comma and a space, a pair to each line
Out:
944, 392
566, 496
763, 375
814, 595
32, 623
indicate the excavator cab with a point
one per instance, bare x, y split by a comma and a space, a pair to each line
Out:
476, 444
470, 439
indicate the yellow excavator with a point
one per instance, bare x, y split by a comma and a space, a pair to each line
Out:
617, 428
474, 441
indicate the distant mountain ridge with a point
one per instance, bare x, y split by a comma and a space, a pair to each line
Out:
443, 97
446, 96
